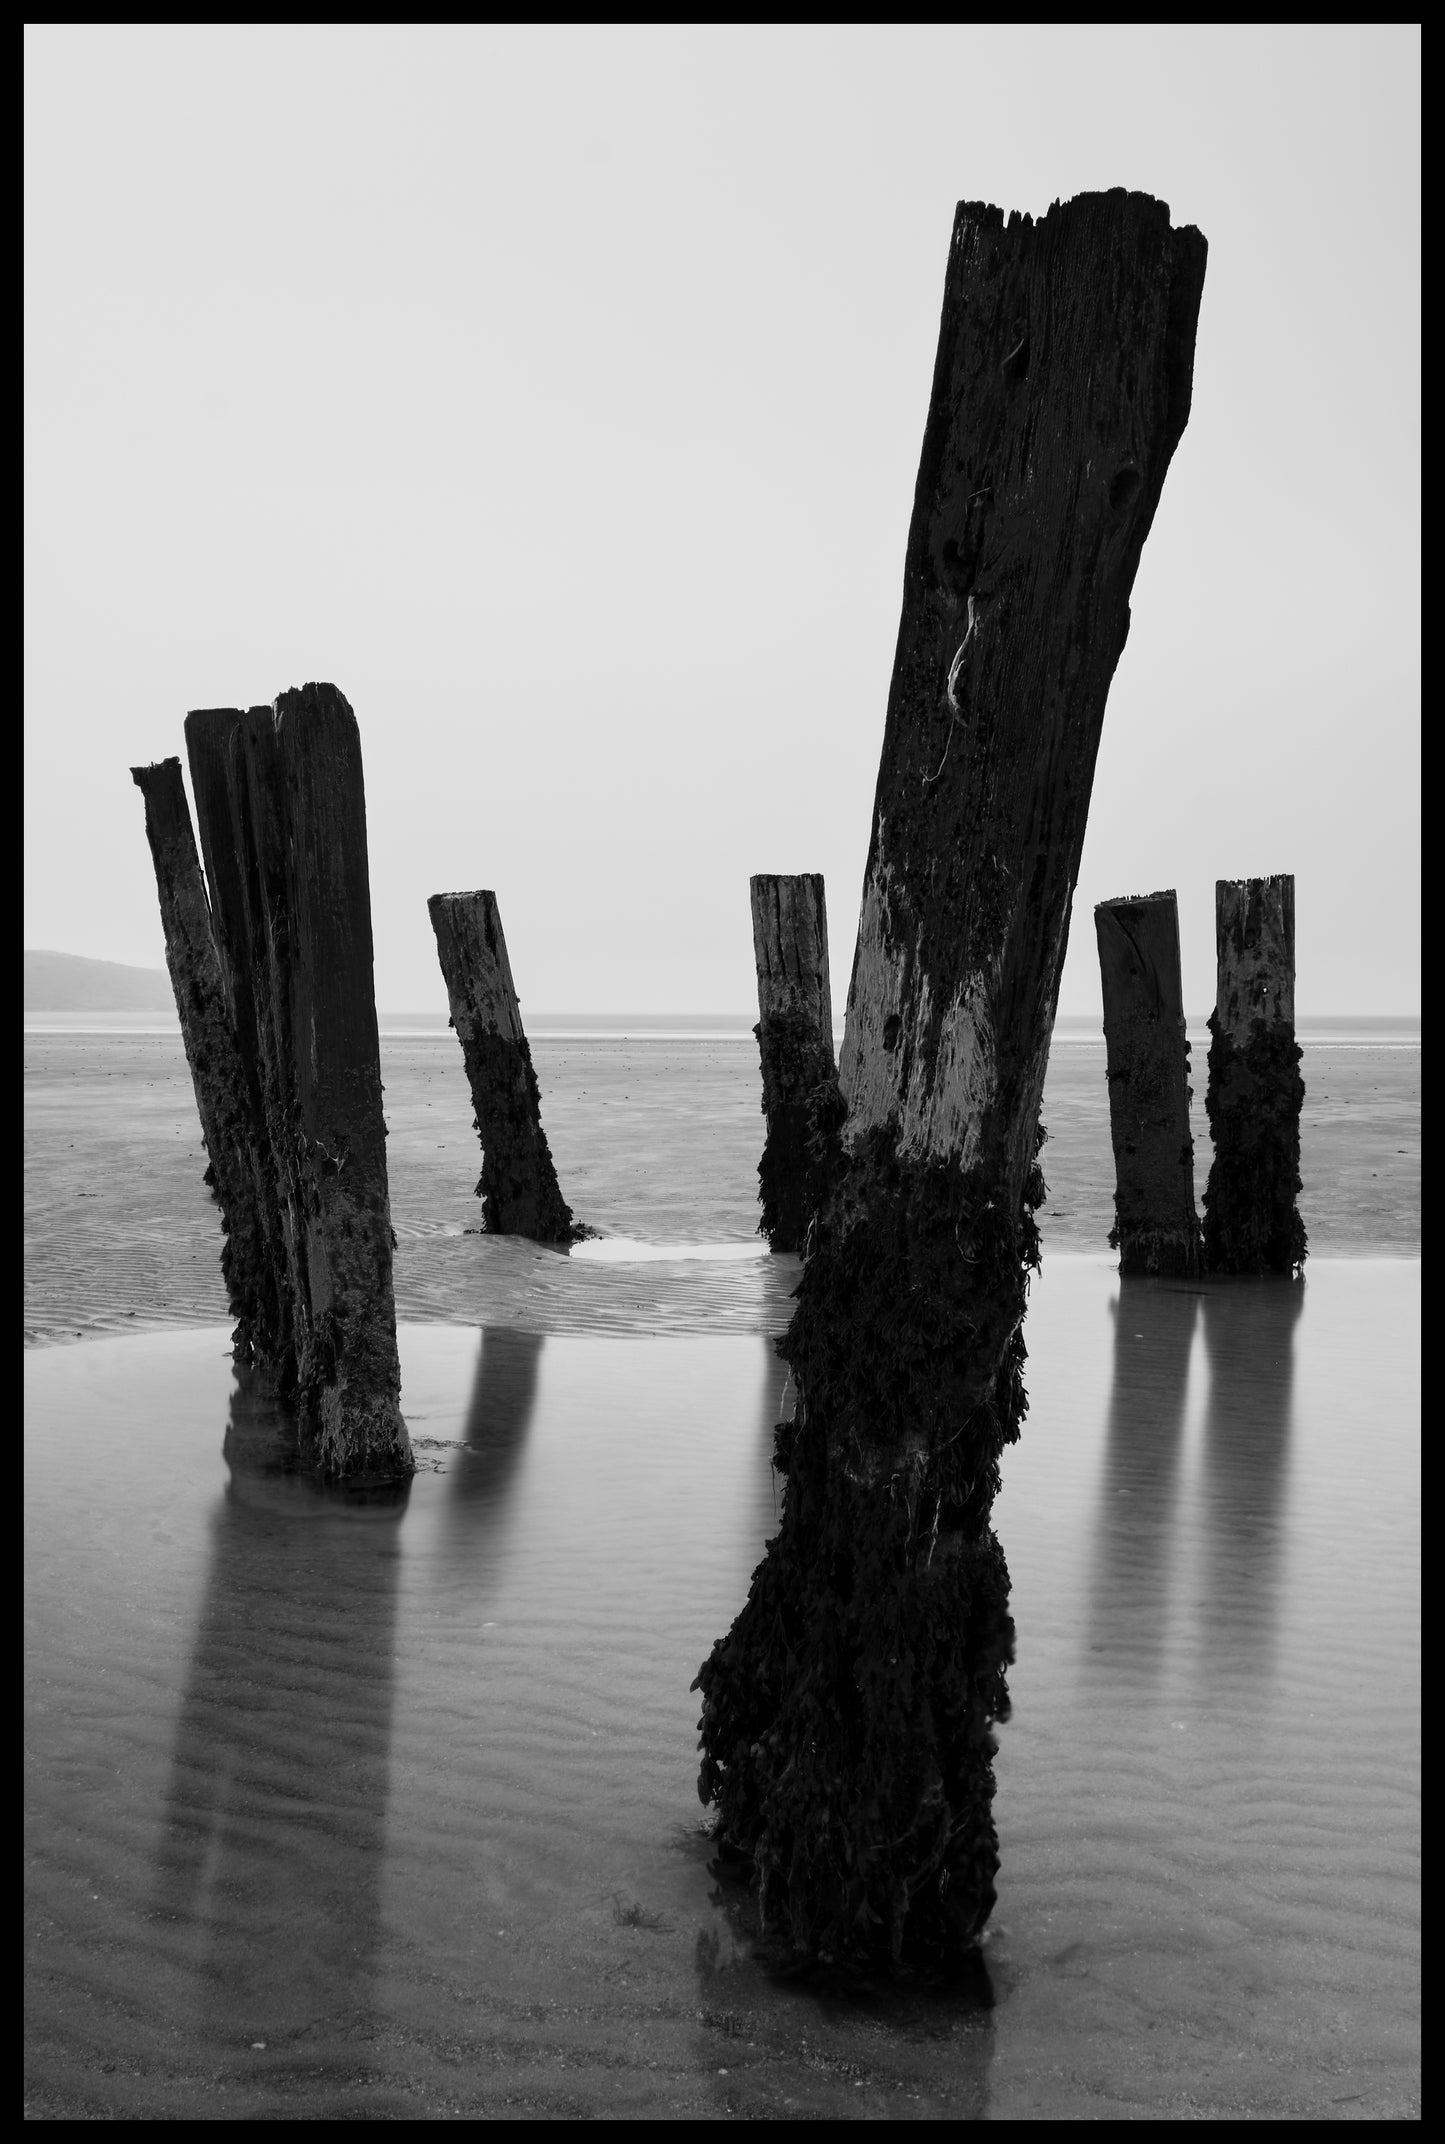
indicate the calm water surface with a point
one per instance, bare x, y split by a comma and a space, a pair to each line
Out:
387, 1809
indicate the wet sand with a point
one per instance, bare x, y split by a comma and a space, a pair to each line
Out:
404, 1792
654, 1139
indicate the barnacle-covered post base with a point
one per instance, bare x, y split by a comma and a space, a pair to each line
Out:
848, 1714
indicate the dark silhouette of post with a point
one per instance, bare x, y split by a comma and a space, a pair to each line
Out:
224, 1101
847, 1714
795, 1043
1251, 1220
518, 1185
1156, 1229
211, 743
334, 1142
282, 809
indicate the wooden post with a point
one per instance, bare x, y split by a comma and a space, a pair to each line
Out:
223, 1100
846, 1716
283, 809
240, 810
256, 818
1251, 1221
211, 744
795, 1042
349, 1376
1156, 1229
518, 1185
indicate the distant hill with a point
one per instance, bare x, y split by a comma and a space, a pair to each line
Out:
66, 982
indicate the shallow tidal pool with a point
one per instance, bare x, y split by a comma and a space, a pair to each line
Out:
386, 1809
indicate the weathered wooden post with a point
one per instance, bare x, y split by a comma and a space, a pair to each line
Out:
331, 1141
518, 1186
846, 1715
795, 1042
282, 807
223, 1100
211, 735
1251, 1221
1156, 1229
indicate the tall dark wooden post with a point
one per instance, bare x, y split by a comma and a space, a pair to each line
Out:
211, 744
223, 1100
1156, 1229
1251, 1221
846, 1715
282, 809
795, 1042
332, 1141
518, 1186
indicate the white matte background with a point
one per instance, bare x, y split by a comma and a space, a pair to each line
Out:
559, 394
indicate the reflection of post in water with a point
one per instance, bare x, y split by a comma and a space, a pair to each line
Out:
269, 1868
504, 1394
1249, 1339
1134, 1548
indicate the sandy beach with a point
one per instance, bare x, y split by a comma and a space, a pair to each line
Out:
655, 1139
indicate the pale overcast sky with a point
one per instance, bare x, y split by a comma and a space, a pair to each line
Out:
558, 394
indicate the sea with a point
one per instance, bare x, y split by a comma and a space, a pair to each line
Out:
339, 1808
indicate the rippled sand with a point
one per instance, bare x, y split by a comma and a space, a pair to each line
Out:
656, 1140
387, 1810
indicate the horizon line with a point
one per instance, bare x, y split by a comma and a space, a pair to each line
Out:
681, 1018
